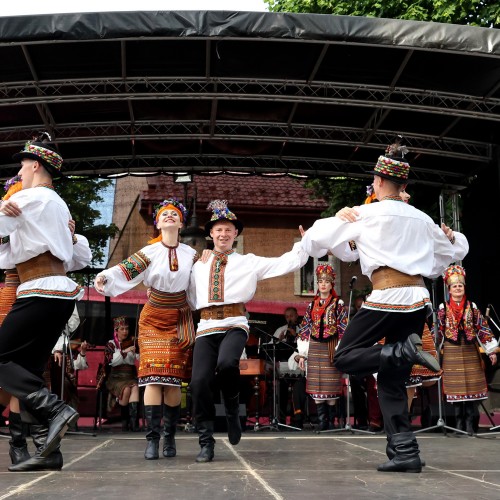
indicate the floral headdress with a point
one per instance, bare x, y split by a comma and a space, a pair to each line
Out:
454, 274
175, 204
326, 272
12, 186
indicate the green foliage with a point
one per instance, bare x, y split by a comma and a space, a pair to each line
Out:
80, 195
484, 13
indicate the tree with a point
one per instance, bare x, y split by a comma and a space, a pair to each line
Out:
484, 13
81, 195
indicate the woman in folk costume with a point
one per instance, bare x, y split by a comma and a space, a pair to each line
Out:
119, 358
464, 329
319, 334
166, 331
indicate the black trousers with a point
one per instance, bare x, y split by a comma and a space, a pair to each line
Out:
216, 361
359, 354
27, 337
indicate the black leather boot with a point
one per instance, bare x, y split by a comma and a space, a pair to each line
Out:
18, 450
54, 461
408, 351
406, 458
459, 418
470, 413
207, 441
391, 453
133, 417
322, 410
46, 406
153, 422
171, 416
232, 407
124, 415
332, 413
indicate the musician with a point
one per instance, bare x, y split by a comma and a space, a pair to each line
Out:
221, 287
166, 329
397, 245
295, 385
320, 332
120, 355
464, 330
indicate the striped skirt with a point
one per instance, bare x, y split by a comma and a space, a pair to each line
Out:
323, 380
166, 333
463, 377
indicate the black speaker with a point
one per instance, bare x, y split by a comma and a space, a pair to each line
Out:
220, 418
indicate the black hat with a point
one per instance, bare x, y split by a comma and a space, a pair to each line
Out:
392, 165
220, 212
40, 150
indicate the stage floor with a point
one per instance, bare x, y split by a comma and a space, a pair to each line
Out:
267, 464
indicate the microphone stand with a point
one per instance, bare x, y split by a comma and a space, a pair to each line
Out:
440, 424
348, 427
274, 423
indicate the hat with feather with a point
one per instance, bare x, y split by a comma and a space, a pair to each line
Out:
392, 165
41, 149
221, 213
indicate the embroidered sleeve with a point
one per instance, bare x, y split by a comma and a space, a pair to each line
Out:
341, 319
134, 265
481, 325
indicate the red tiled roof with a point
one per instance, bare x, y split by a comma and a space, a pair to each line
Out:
239, 191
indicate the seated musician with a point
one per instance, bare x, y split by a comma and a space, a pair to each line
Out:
120, 355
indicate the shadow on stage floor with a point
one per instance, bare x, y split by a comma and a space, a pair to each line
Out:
266, 464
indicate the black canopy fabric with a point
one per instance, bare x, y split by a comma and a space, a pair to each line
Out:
250, 93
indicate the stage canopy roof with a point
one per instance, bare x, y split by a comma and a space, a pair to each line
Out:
250, 93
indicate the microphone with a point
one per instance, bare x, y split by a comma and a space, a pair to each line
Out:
487, 313
353, 279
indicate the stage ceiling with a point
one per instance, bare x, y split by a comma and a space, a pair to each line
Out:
244, 93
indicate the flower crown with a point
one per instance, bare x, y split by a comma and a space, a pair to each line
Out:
119, 322
171, 201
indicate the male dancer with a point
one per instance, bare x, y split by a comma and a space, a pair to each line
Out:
42, 248
222, 286
397, 245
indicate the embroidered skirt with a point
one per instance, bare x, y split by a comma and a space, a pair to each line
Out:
463, 377
166, 334
419, 373
8, 293
121, 377
323, 380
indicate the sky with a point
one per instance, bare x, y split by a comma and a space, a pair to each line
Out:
63, 6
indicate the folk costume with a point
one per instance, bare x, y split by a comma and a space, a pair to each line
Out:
121, 373
221, 287
464, 330
397, 245
166, 330
321, 330
42, 249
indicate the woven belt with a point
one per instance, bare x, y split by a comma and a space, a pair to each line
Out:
41, 266
386, 277
223, 311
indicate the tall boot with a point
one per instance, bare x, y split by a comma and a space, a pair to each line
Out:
54, 461
18, 447
171, 415
206, 440
232, 407
470, 409
153, 422
391, 453
408, 351
125, 416
322, 410
459, 417
133, 418
332, 413
406, 458
48, 407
